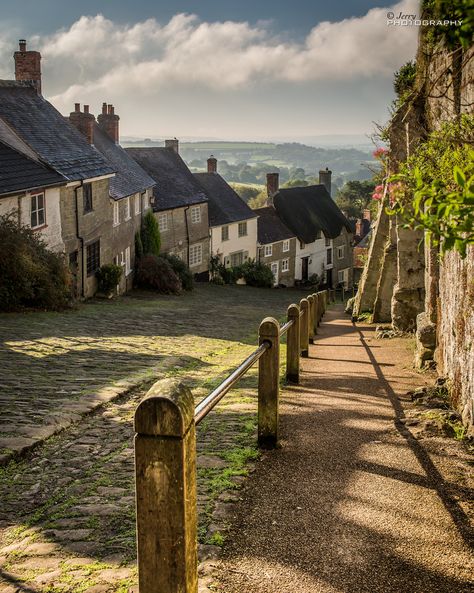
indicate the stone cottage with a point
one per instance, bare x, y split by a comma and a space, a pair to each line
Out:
233, 225
180, 205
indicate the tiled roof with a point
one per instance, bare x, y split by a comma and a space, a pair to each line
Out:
175, 186
129, 178
308, 210
225, 205
20, 173
48, 133
270, 227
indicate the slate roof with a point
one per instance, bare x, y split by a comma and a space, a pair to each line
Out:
129, 178
48, 133
225, 205
270, 227
20, 173
175, 185
308, 210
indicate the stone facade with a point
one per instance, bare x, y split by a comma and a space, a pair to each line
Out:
343, 259
185, 238
281, 261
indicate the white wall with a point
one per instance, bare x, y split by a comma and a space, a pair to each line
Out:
316, 251
235, 243
51, 232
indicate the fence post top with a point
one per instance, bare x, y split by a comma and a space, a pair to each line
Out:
166, 410
304, 303
293, 310
269, 327
310, 298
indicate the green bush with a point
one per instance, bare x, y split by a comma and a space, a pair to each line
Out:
31, 276
156, 273
150, 235
108, 276
181, 270
255, 274
138, 246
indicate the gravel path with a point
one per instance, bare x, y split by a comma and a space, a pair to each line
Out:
351, 503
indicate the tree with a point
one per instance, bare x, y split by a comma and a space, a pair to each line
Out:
151, 239
354, 197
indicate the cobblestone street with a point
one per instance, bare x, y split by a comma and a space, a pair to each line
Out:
67, 508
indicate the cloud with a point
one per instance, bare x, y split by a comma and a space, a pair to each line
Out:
96, 55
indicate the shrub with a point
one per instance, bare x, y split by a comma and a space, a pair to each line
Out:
256, 274
138, 245
150, 235
181, 270
156, 273
108, 276
31, 276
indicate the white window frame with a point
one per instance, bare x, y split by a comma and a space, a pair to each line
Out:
163, 222
243, 230
341, 250
116, 209
36, 211
137, 204
196, 214
286, 245
180, 254
128, 267
195, 255
267, 250
227, 234
128, 214
285, 265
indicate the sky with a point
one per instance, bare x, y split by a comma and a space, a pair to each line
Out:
234, 69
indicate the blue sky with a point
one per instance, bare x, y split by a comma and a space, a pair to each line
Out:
218, 69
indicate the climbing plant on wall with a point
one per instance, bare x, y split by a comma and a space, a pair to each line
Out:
434, 190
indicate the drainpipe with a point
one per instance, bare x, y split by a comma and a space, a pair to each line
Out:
81, 239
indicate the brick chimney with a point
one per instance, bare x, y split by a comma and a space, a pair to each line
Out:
172, 143
366, 214
109, 122
273, 184
325, 179
83, 121
28, 65
212, 164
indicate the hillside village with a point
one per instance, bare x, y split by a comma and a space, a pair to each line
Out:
69, 179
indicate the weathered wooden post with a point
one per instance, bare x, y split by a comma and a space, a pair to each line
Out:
321, 306
316, 313
268, 383
310, 299
293, 345
304, 328
165, 469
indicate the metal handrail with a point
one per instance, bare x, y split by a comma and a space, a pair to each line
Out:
210, 401
286, 327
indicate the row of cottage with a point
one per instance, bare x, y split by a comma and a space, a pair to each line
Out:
69, 179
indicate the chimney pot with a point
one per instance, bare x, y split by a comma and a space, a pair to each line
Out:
273, 183
22, 44
325, 179
77, 107
110, 109
109, 122
104, 108
86, 108
173, 144
212, 164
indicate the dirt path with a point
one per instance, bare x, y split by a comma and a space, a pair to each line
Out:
351, 503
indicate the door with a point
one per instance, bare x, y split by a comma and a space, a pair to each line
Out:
274, 268
304, 268
329, 278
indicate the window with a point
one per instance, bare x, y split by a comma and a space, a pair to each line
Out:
137, 204
38, 214
195, 255
286, 245
236, 259
285, 265
87, 197
225, 233
128, 268
328, 242
127, 209
341, 252
268, 250
302, 244
116, 214
196, 214
180, 254
343, 277
93, 257
329, 256
274, 269
243, 229
163, 222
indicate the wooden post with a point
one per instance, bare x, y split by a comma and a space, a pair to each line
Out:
268, 384
311, 319
320, 306
304, 327
316, 313
293, 346
166, 499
